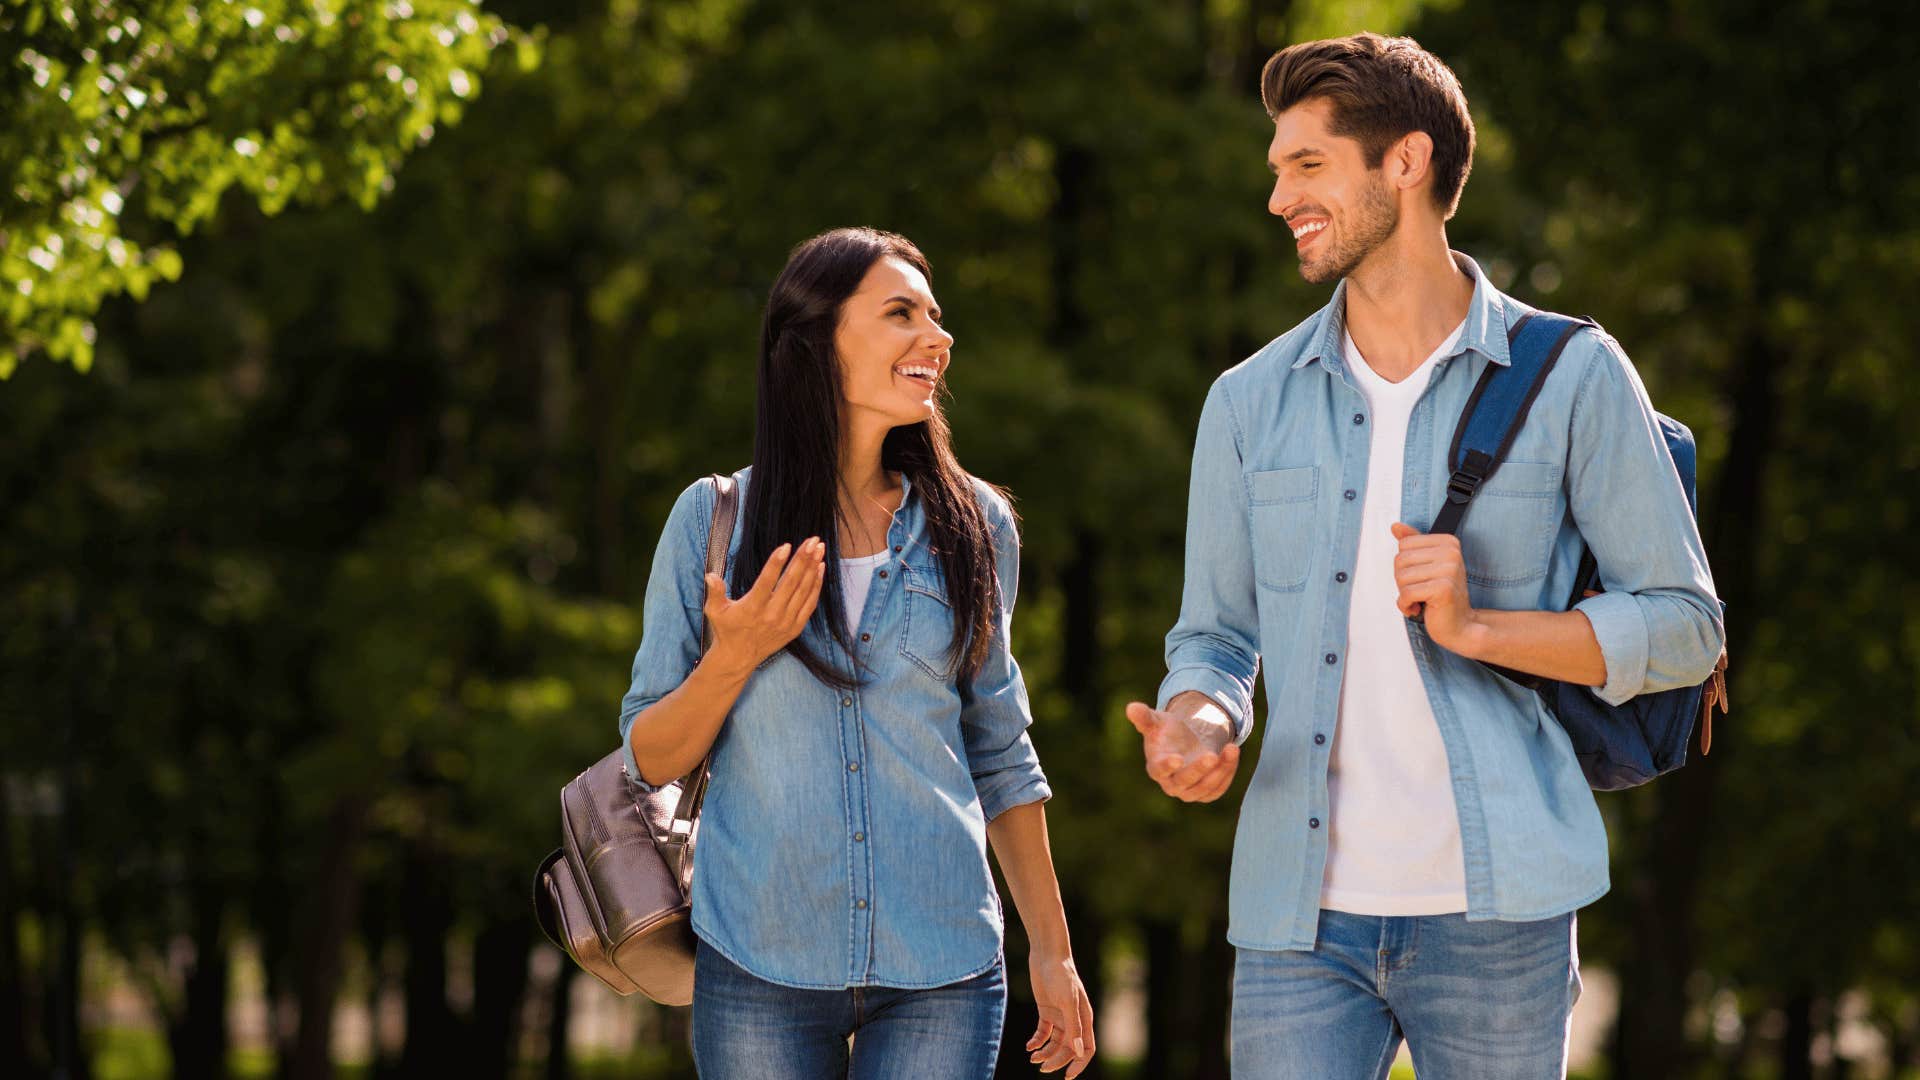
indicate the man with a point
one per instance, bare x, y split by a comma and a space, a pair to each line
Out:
1418, 836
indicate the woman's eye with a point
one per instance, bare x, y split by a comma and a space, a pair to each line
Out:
902, 312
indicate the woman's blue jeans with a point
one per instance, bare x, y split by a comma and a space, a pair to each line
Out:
1474, 1000
746, 1028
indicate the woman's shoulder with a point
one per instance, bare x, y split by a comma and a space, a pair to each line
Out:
996, 503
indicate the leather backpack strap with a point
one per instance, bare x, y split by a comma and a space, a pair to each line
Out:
726, 508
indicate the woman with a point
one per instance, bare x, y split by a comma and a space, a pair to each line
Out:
866, 749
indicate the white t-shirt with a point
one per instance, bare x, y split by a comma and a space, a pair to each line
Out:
1393, 841
856, 577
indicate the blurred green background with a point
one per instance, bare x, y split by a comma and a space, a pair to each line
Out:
357, 351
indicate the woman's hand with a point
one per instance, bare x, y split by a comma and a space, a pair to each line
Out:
772, 613
1065, 1034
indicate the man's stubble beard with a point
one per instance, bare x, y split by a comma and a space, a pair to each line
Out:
1374, 222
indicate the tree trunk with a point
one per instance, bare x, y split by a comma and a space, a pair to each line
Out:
13, 995
1661, 903
1796, 1046
326, 923
1165, 1032
1214, 996
426, 918
559, 1066
500, 953
199, 1038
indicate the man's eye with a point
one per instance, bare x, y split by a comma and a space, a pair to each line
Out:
1309, 166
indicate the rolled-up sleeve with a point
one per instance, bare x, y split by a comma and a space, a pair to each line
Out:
1214, 647
1659, 623
994, 713
670, 633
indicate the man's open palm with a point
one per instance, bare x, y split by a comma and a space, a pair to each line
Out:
1189, 752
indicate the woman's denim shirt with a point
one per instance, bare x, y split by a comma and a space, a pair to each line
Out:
843, 841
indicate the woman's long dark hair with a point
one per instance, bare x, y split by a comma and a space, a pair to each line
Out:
794, 491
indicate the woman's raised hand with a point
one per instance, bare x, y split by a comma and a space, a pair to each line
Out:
772, 613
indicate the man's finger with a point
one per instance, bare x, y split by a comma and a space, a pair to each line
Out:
1163, 767
1191, 772
1401, 530
1144, 718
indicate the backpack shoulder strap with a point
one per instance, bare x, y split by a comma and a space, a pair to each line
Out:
1498, 406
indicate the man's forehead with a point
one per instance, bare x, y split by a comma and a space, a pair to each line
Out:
1304, 126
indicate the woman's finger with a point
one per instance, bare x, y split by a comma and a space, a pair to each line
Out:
769, 575
794, 579
810, 575
1083, 1048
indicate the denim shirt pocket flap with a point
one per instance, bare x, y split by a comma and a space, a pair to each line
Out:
927, 635
1271, 486
1507, 534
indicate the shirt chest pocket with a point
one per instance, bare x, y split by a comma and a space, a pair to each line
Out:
1507, 533
1280, 507
928, 618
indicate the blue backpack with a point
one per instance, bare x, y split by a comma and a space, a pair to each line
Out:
1619, 746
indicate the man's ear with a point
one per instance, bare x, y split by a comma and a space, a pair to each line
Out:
1409, 162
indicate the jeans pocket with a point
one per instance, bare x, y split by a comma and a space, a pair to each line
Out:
1280, 506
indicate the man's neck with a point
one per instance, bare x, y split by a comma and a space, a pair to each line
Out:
1404, 301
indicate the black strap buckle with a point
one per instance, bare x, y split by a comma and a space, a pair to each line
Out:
1462, 485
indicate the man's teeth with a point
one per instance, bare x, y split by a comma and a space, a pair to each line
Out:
1308, 229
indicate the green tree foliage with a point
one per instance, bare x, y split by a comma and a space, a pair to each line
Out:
143, 115
326, 578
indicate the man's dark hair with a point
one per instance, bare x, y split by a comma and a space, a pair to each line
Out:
1381, 89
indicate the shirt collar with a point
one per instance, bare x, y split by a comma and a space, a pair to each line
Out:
1485, 332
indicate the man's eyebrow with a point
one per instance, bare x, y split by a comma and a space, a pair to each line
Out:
1305, 151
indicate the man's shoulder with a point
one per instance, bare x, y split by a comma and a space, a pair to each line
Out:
1272, 362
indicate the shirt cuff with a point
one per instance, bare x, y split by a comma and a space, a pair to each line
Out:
1224, 691
1008, 792
1621, 629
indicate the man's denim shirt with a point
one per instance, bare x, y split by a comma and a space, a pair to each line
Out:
843, 840
1279, 470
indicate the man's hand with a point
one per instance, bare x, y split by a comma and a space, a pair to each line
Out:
1189, 747
1432, 577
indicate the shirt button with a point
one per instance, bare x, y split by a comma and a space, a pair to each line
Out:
861, 904
858, 837
853, 766
883, 573
1313, 823
1333, 658
846, 701
1350, 494
1318, 740
866, 637
1340, 577
1359, 418
896, 549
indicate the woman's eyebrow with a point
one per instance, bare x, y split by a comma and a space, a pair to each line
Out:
912, 303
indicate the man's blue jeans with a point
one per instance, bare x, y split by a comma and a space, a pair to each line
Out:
1475, 1001
744, 1026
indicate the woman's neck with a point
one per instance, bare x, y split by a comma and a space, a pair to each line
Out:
861, 475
